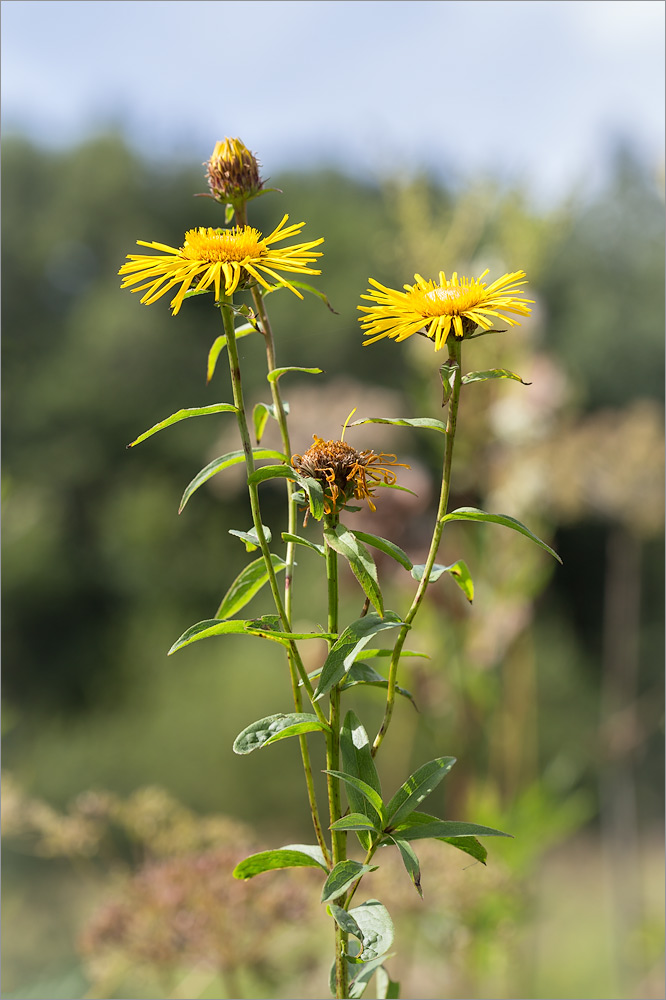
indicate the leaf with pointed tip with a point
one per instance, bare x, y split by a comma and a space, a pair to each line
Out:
355, 821
297, 540
428, 423
260, 415
248, 583
417, 825
410, 861
360, 561
367, 653
357, 761
291, 856
474, 514
218, 464
271, 472
363, 673
315, 494
250, 537
276, 727
417, 787
342, 877
345, 649
458, 570
265, 627
384, 545
373, 798
277, 373
198, 411
492, 373
220, 343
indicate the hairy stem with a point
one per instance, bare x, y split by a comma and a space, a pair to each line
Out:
338, 837
454, 347
296, 666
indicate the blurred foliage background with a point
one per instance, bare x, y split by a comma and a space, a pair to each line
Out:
124, 807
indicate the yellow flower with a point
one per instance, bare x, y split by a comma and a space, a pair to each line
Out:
459, 303
344, 472
233, 172
225, 258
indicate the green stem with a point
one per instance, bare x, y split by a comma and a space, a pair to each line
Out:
338, 837
452, 419
296, 666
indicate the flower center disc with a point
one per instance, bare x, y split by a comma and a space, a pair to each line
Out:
451, 301
226, 246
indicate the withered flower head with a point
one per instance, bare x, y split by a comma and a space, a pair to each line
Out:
344, 472
233, 172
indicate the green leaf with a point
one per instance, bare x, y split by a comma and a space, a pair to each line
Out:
198, 411
429, 423
358, 762
369, 794
492, 373
419, 785
251, 538
361, 562
218, 464
260, 415
276, 727
220, 343
360, 976
344, 651
248, 582
363, 673
265, 627
355, 821
315, 493
297, 540
313, 291
342, 877
344, 920
271, 472
458, 570
376, 926
384, 545
474, 514
417, 825
387, 988
410, 861
367, 653
291, 856
448, 372
279, 372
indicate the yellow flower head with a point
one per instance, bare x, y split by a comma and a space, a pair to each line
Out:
461, 304
233, 172
225, 258
344, 472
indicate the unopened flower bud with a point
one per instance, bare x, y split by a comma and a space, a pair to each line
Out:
233, 172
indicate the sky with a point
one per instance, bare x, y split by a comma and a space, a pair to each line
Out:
534, 92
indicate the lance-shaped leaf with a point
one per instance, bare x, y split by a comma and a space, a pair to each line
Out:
492, 373
248, 582
409, 860
315, 494
372, 797
419, 785
418, 825
271, 472
220, 343
363, 673
428, 423
458, 570
260, 415
198, 411
265, 627
474, 514
360, 561
291, 856
218, 464
357, 761
368, 653
250, 537
297, 540
279, 372
384, 545
306, 288
344, 651
356, 822
342, 877
276, 727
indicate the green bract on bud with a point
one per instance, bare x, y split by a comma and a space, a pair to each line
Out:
233, 172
